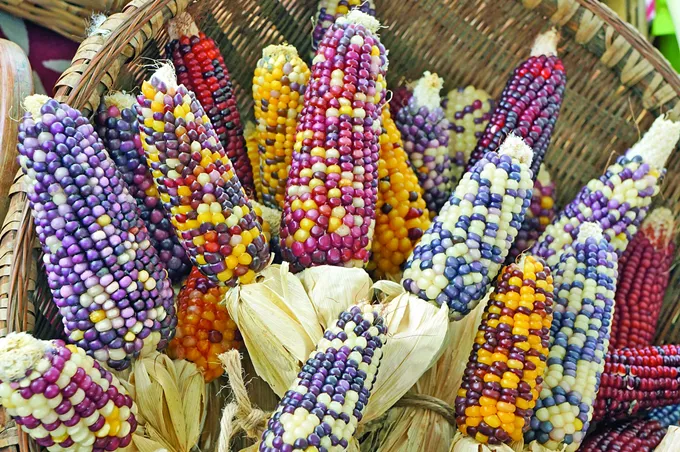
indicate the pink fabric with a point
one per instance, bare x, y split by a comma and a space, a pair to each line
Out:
49, 53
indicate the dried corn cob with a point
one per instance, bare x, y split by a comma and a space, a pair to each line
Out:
505, 370
118, 128
539, 215
329, 10
63, 398
401, 215
631, 435
201, 69
204, 328
644, 269
585, 280
424, 130
400, 98
322, 408
251, 136
530, 103
213, 217
665, 415
104, 274
464, 248
329, 214
618, 201
278, 89
468, 111
638, 379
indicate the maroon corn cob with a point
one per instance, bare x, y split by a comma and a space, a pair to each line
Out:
630, 435
529, 105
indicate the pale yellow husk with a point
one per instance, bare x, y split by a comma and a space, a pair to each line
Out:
171, 397
671, 442
408, 428
535, 446
462, 443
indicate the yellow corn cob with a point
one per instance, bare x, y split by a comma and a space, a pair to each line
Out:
250, 134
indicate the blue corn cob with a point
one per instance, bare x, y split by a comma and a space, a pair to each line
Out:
464, 248
666, 415
585, 281
322, 408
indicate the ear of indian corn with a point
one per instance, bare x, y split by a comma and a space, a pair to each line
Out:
463, 249
644, 270
638, 379
504, 373
329, 213
204, 328
618, 200
200, 68
324, 405
584, 280
401, 214
251, 136
630, 435
539, 215
278, 90
118, 128
424, 131
104, 274
329, 10
212, 215
530, 103
665, 415
468, 111
400, 97
63, 398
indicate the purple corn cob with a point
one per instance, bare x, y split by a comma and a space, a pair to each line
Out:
118, 128
425, 132
63, 398
105, 275
328, 399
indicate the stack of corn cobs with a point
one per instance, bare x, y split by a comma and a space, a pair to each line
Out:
448, 195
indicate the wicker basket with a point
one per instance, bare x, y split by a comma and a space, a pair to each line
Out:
618, 83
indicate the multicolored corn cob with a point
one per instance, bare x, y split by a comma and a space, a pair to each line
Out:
638, 379
329, 213
212, 216
117, 126
541, 212
630, 435
618, 201
201, 69
105, 276
424, 130
401, 216
278, 90
665, 415
504, 373
468, 111
329, 10
644, 270
204, 328
585, 280
323, 407
251, 136
63, 398
530, 103
464, 248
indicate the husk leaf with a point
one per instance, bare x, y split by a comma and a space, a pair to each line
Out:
170, 397
462, 443
671, 442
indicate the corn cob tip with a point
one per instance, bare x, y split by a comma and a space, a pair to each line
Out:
661, 216
119, 99
33, 104
546, 43
165, 76
271, 216
273, 51
657, 143
589, 230
19, 352
360, 18
426, 91
543, 177
182, 25
515, 147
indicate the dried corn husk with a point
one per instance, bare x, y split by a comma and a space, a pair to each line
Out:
462, 443
407, 427
671, 442
171, 401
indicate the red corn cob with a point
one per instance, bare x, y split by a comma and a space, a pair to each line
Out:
200, 67
530, 103
638, 379
644, 269
630, 435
